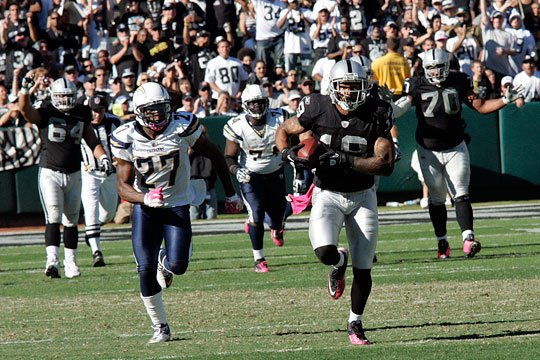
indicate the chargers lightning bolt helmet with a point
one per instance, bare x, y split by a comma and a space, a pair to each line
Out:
366, 64
436, 64
349, 84
255, 101
63, 94
152, 106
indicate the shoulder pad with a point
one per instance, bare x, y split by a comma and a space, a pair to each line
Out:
121, 138
187, 123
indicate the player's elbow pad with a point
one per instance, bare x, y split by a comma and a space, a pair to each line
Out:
401, 106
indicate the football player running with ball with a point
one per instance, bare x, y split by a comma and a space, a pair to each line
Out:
442, 151
153, 173
62, 125
259, 168
355, 129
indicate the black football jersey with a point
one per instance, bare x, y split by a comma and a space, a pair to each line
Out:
354, 134
61, 134
438, 110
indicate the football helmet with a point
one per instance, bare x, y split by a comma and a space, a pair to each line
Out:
63, 94
349, 84
366, 64
152, 106
255, 101
436, 65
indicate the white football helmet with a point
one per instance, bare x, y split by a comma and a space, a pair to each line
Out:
255, 101
349, 84
436, 64
152, 106
366, 64
63, 94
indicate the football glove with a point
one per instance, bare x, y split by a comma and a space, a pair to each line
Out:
512, 94
299, 186
234, 204
290, 155
154, 198
385, 94
397, 150
105, 165
27, 84
333, 158
243, 175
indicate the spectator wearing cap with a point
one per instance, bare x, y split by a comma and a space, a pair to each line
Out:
126, 56
449, 19
170, 21
225, 73
190, 12
199, 52
499, 45
440, 38
529, 78
276, 99
89, 86
392, 69
340, 46
297, 44
502, 6
293, 98
465, 46
20, 56
134, 17
391, 29
321, 31
268, 35
374, 44
71, 73
188, 104
436, 9
120, 108
307, 85
526, 45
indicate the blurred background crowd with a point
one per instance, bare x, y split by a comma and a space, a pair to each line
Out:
288, 47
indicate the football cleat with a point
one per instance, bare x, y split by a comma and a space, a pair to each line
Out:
443, 250
261, 266
164, 277
52, 269
336, 276
71, 269
97, 259
277, 237
471, 247
356, 333
162, 333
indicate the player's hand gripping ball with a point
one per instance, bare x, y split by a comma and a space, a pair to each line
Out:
311, 150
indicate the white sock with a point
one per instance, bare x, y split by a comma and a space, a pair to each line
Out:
155, 308
355, 317
466, 234
94, 244
439, 238
52, 251
258, 254
70, 252
341, 260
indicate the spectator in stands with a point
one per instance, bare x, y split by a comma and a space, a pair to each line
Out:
12, 117
293, 99
392, 69
391, 30
259, 74
465, 46
89, 86
170, 81
295, 20
199, 52
126, 56
529, 78
268, 35
355, 13
275, 99
481, 85
449, 17
104, 60
224, 106
321, 72
204, 100
307, 86
525, 43
321, 32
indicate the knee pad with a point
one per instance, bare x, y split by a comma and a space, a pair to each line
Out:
463, 198
327, 254
178, 268
52, 235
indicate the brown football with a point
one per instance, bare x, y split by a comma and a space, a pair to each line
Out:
311, 150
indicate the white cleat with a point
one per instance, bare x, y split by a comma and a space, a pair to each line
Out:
162, 333
71, 269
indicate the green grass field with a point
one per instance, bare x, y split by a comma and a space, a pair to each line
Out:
420, 308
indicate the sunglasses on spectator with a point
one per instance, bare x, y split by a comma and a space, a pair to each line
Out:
205, 88
356, 52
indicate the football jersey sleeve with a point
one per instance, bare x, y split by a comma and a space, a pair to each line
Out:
307, 111
232, 131
121, 142
189, 127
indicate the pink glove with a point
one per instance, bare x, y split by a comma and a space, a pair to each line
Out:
154, 198
234, 204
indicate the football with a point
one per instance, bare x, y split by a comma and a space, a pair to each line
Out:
311, 150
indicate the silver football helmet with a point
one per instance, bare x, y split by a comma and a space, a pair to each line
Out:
152, 106
255, 101
349, 84
436, 65
366, 64
63, 94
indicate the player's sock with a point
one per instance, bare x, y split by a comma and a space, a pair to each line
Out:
354, 317
155, 308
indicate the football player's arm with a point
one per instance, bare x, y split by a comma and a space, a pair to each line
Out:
382, 161
207, 148
27, 110
93, 142
484, 106
231, 155
125, 177
401, 106
285, 131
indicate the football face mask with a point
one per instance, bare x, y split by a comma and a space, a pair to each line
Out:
155, 116
257, 108
351, 94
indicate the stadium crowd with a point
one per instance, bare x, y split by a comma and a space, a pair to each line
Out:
288, 47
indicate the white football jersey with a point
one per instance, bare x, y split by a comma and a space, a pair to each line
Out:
267, 17
258, 153
162, 162
226, 73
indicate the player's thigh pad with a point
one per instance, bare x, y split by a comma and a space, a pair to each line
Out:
51, 194
90, 197
108, 199
326, 218
431, 164
362, 228
72, 199
458, 170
